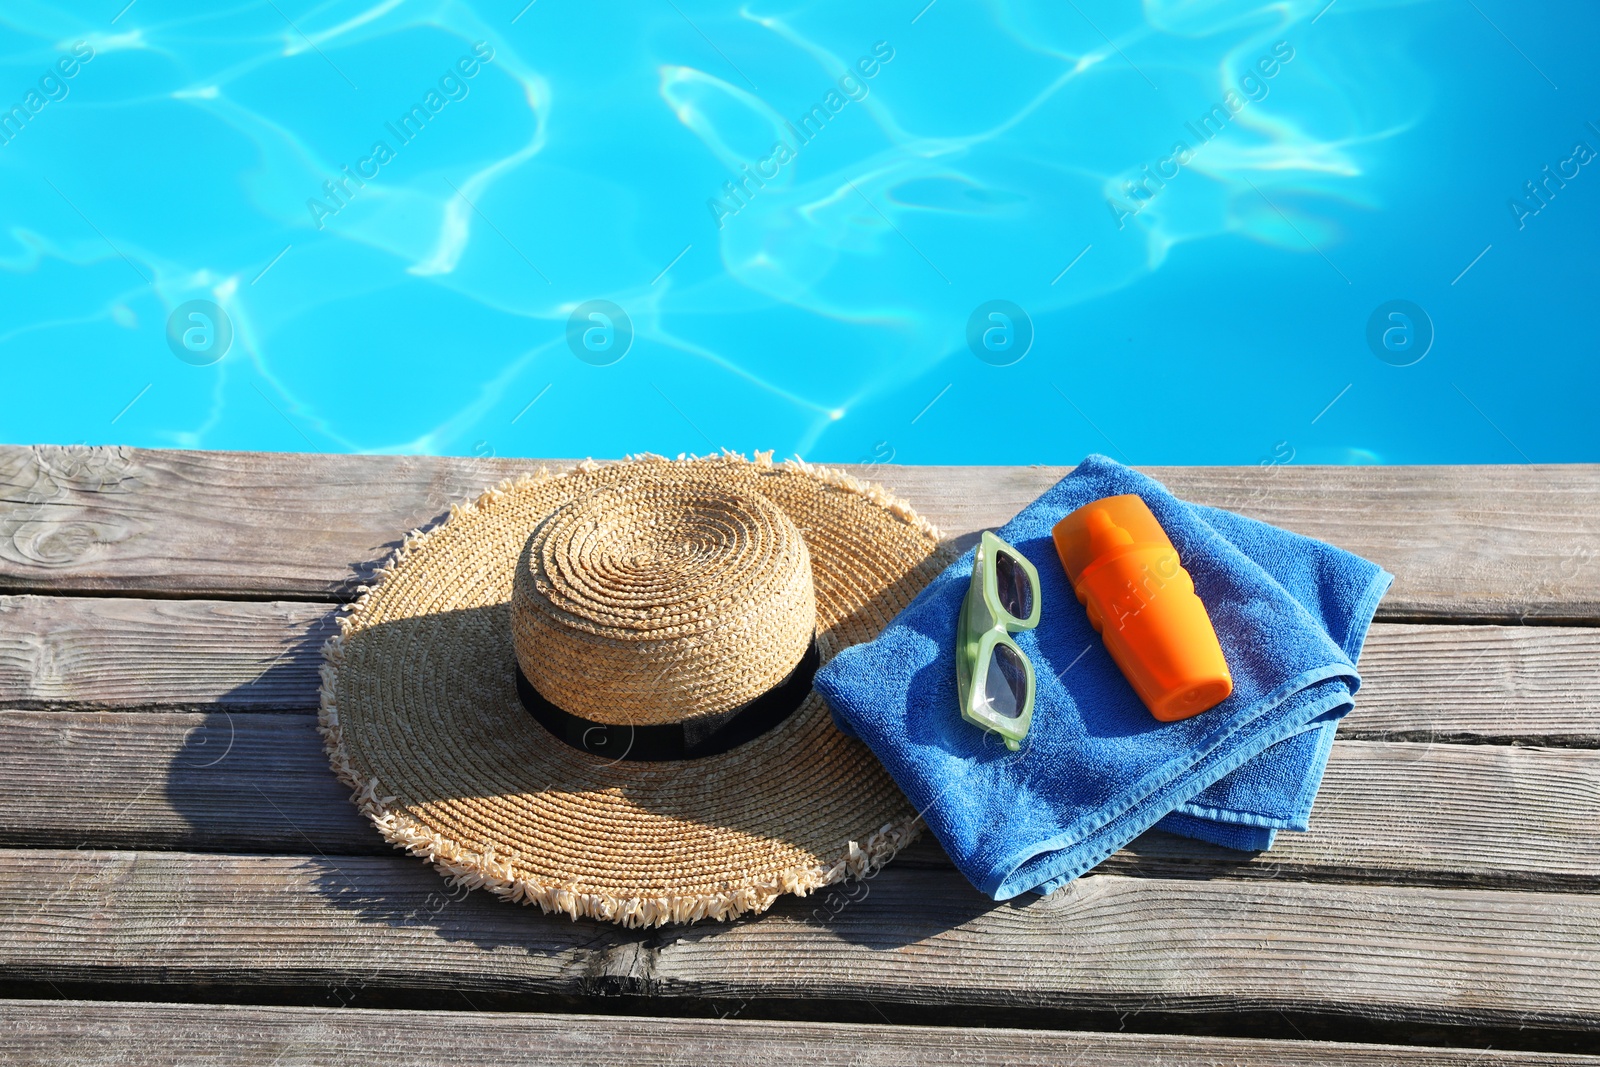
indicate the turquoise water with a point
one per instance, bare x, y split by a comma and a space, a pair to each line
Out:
1009, 232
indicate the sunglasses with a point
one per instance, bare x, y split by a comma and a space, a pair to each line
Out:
994, 678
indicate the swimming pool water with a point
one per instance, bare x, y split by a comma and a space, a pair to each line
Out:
948, 232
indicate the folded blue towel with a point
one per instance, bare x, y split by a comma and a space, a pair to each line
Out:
1274, 791
1097, 769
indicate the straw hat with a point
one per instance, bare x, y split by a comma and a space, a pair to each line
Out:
591, 691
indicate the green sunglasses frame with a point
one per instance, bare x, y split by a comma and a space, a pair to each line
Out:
983, 625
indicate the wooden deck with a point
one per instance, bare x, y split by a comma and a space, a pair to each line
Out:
182, 880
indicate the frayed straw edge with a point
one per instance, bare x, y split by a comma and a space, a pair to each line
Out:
483, 869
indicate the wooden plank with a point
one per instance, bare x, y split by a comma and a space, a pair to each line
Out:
157, 917
1423, 682
1414, 812
1397, 953
1411, 812
1480, 542
175, 780
1424, 955
102, 652
109, 1034
1521, 684
115, 519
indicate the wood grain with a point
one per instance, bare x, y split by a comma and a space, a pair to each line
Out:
1425, 955
1408, 812
253, 783
1467, 542
1422, 682
105, 652
102, 1034
127, 730
1510, 684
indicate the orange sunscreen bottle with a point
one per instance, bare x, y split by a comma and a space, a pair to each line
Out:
1142, 603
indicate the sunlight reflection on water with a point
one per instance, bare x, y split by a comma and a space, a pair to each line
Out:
399, 206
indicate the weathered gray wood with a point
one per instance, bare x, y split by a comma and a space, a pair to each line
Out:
1440, 955
1523, 684
341, 923
253, 783
1411, 812
1423, 682
1478, 542
126, 653
204, 523
101, 1034
1448, 956
1476, 813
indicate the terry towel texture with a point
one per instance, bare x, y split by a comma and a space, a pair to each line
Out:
1097, 769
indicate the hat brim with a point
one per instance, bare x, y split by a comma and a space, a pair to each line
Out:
421, 719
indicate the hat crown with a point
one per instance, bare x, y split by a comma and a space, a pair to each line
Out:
652, 602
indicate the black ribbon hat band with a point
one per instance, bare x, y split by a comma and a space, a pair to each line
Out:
704, 735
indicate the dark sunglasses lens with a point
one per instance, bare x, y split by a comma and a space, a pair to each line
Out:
1005, 687
1016, 592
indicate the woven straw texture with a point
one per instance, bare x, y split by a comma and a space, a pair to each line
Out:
421, 718
661, 598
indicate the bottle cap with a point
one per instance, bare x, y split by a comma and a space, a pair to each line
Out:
1095, 529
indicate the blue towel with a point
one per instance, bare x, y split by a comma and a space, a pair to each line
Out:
1097, 769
